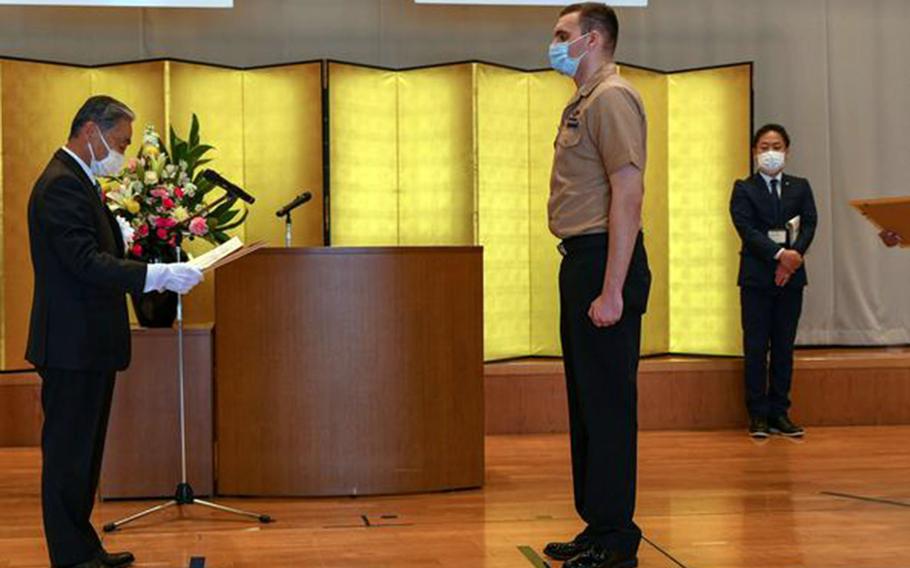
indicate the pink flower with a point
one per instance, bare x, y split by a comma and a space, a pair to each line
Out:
162, 234
198, 226
167, 203
178, 192
159, 192
137, 249
165, 222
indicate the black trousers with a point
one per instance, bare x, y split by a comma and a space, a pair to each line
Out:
601, 366
77, 406
770, 317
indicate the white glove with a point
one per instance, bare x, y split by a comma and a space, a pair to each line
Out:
178, 277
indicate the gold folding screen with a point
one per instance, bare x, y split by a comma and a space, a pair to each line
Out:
401, 156
449, 155
503, 209
495, 183
38, 103
435, 147
265, 123
708, 132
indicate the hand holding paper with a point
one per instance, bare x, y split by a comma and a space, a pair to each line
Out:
181, 277
891, 215
177, 277
890, 238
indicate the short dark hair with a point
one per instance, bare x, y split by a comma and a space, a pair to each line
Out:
104, 111
596, 16
771, 128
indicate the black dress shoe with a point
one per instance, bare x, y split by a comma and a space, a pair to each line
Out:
566, 550
599, 557
758, 427
783, 426
115, 559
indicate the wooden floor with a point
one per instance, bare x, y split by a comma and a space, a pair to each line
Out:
839, 498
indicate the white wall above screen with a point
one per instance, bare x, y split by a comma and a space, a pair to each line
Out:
641, 3
125, 3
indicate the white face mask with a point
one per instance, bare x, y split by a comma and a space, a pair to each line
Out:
109, 166
771, 161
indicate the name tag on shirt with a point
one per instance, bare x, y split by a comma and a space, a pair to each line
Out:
779, 236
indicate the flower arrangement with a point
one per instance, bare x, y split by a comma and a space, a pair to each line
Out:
160, 194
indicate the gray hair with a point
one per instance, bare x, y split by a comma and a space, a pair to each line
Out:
104, 111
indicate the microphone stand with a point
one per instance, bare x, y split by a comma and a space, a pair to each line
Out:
184, 493
287, 229
286, 213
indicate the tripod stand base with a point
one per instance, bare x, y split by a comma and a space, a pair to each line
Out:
184, 496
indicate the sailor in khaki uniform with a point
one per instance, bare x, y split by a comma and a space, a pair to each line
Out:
596, 193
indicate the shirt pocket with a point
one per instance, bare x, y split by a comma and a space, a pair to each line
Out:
569, 136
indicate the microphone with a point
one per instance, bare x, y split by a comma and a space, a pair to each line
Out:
298, 201
232, 190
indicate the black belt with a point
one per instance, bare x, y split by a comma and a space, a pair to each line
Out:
583, 242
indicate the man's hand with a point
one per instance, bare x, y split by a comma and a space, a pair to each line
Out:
890, 238
606, 310
791, 260
782, 276
180, 277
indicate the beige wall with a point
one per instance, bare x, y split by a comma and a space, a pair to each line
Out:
833, 71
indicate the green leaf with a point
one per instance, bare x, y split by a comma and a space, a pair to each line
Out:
221, 209
220, 237
236, 223
199, 164
227, 217
196, 153
194, 131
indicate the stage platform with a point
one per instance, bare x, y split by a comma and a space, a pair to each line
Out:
840, 497
831, 387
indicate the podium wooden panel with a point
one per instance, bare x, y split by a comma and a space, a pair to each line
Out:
20, 409
350, 371
142, 457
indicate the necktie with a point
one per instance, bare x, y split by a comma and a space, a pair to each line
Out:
775, 196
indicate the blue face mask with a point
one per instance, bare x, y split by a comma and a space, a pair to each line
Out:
561, 61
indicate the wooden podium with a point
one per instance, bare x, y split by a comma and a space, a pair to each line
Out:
349, 371
142, 457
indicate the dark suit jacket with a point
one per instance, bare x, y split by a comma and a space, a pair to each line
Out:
79, 319
752, 209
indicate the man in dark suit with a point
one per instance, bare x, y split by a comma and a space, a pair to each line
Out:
775, 217
79, 335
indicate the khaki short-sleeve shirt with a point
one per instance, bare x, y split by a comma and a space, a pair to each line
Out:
603, 129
